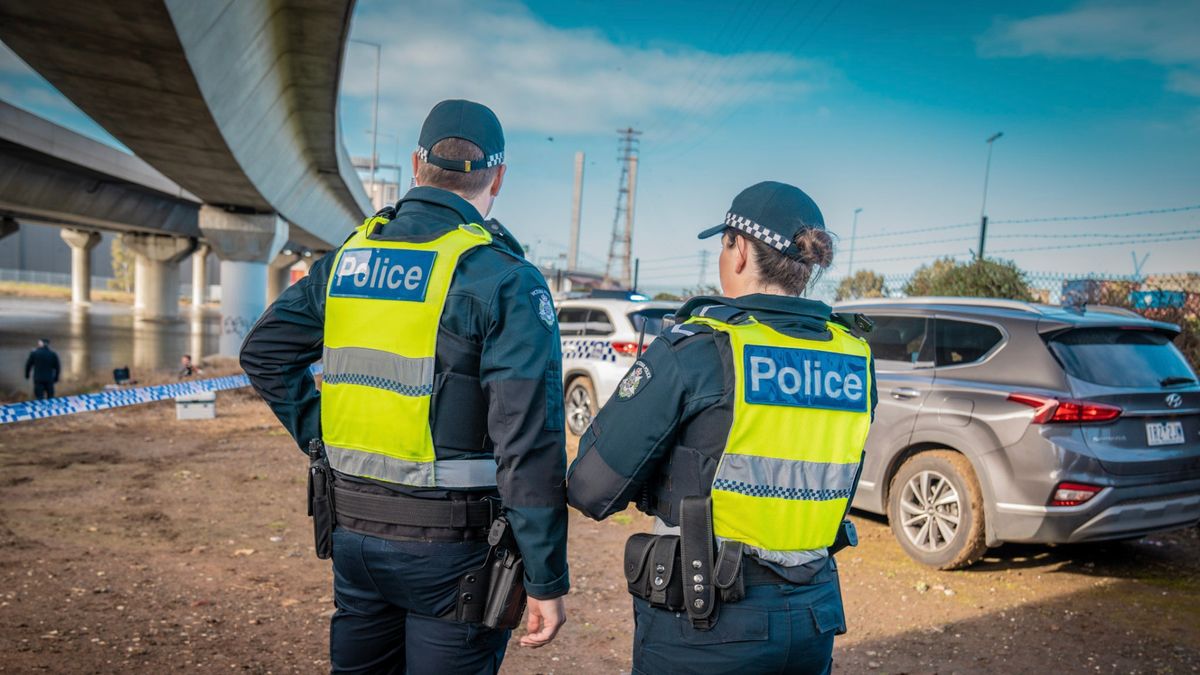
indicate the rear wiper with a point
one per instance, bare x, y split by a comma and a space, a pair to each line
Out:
1176, 379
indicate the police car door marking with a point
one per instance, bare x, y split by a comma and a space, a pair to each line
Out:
383, 274
805, 378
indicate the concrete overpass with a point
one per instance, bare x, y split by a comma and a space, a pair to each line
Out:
233, 100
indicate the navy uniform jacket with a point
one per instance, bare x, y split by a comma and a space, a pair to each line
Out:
43, 363
664, 441
498, 350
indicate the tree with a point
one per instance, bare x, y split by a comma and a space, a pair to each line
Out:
667, 296
922, 280
976, 279
862, 284
122, 266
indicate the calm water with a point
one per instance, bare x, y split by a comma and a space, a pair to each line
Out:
92, 341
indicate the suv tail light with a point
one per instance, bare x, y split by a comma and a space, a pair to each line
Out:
627, 348
1049, 410
1073, 494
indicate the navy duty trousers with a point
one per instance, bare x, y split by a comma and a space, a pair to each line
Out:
777, 628
389, 597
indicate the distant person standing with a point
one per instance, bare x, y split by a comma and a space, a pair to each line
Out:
43, 364
187, 368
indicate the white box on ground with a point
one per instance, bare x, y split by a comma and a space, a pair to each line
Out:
199, 406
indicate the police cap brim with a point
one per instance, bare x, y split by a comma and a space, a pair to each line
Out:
712, 231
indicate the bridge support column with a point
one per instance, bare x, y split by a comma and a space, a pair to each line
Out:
81, 242
245, 244
156, 274
200, 277
279, 274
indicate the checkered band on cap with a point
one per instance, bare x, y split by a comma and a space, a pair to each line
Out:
767, 236
495, 159
423, 153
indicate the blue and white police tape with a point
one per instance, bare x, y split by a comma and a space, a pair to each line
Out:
117, 398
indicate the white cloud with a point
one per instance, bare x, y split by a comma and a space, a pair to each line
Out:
1162, 32
543, 78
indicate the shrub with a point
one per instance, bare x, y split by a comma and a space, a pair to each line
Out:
976, 279
862, 284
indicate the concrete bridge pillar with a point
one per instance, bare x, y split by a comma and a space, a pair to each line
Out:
156, 274
245, 244
279, 273
200, 277
81, 242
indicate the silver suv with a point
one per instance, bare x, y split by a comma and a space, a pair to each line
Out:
1003, 421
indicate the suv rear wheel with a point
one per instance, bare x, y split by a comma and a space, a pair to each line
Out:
580, 404
935, 508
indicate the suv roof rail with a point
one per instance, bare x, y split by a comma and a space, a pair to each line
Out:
949, 300
1113, 309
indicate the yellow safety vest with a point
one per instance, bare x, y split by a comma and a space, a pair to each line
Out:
800, 418
383, 306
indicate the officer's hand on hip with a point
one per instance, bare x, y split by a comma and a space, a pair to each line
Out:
545, 618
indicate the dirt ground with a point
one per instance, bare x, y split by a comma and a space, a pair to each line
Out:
132, 542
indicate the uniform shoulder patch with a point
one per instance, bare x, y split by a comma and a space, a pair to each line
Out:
544, 306
634, 380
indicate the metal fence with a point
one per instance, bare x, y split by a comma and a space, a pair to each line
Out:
1150, 291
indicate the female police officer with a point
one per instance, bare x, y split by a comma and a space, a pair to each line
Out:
742, 429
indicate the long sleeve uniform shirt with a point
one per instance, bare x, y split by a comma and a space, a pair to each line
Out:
493, 328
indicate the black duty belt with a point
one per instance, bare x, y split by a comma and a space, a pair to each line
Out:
414, 512
754, 574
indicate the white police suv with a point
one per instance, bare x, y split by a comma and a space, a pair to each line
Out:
600, 344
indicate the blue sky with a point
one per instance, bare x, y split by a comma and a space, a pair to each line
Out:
862, 103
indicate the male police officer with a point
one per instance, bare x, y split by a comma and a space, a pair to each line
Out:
442, 391
743, 426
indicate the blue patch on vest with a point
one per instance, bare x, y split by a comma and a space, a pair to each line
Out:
805, 378
382, 274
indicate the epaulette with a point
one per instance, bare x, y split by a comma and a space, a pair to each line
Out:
682, 331
387, 212
722, 313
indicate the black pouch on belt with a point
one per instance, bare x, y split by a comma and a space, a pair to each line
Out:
652, 570
320, 499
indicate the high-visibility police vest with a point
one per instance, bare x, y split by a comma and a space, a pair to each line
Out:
800, 418
383, 306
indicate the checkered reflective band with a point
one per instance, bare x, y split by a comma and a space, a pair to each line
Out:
767, 236
423, 154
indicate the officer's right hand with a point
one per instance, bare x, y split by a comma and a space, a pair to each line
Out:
545, 617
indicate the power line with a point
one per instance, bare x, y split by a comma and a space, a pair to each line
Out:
1016, 221
1131, 238
1100, 243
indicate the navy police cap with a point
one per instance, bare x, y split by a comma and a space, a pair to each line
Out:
774, 213
469, 121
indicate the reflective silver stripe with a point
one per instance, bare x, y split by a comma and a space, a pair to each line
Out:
784, 478
393, 368
785, 558
446, 473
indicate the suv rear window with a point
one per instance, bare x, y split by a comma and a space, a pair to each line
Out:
651, 318
962, 342
1116, 357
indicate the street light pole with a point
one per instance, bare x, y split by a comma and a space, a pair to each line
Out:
983, 209
853, 237
374, 114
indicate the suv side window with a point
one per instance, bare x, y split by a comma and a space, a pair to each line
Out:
598, 323
571, 320
962, 342
900, 342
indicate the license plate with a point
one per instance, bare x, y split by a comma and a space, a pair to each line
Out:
1164, 433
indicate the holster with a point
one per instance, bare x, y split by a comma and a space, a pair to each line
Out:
493, 594
847, 535
320, 499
